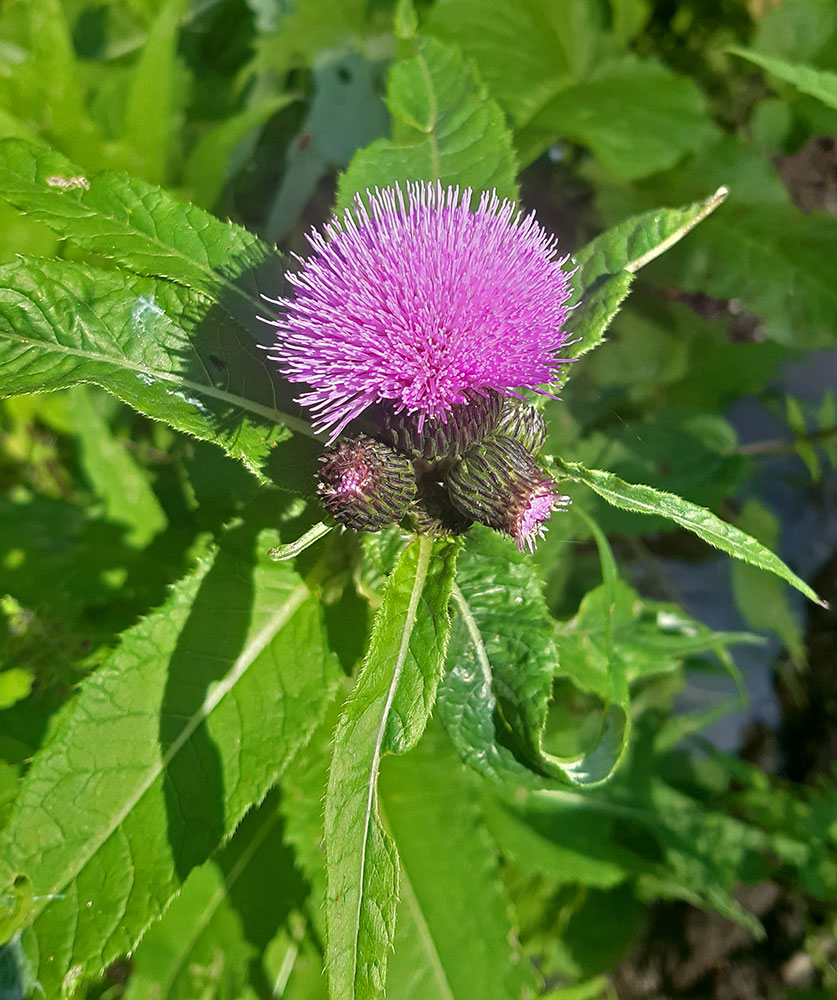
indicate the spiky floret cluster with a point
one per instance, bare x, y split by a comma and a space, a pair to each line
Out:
419, 302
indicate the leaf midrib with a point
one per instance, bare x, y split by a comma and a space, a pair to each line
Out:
275, 416
155, 240
422, 565
247, 657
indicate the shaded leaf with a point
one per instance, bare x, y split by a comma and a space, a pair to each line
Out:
445, 129
215, 933
705, 524
385, 713
430, 805
161, 348
229, 677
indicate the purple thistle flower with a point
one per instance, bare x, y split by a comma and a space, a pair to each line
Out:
424, 304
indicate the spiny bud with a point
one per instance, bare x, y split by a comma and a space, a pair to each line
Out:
523, 421
364, 484
499, 484
436, 438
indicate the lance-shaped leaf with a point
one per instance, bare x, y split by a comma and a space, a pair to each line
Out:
607, 264
502, 661
163, 749
217, 929
705, 524
163, 349
144, 228
445, 129
431, 807
385, 713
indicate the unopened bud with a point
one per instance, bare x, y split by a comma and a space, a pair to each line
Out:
499, 484
364, 484
523, 421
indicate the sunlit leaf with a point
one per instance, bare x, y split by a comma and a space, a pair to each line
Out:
385, 713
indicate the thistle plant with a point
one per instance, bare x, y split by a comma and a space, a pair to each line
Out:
206, 800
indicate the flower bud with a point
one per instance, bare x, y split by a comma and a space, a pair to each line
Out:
523, 421
364, 484
437, 438
499, 484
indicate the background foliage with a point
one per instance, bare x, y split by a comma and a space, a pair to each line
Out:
175, 706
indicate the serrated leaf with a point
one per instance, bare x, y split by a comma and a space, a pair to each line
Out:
607, 264
502, 661
445, 129
161, 752
165, 350
214, 934
705, 524
385, 713
636, 116
526, 52
144, 228
816, 82
430, 805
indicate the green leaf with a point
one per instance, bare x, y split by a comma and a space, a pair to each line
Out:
165, 350
119, 481
816, 82
385, 713
636, 116
714, 531
760, 251
449, 872
215, 933
445, 129
607, 264
144, 228
502, 661
526, 52
157, 95
163, 749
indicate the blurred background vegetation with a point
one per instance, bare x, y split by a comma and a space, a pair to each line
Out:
717, 383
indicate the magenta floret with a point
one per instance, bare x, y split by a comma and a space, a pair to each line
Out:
421, 302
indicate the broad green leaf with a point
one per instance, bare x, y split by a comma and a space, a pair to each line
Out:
607, 264
445, 129
502, 661
385, 713
119, 481
705, 524
157, 96
636, 117
214, 935
163, 749
526, 52
816, 82
760, 251
144, 228
449, 873
165, 350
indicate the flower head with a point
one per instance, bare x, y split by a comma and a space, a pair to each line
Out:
421, 303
